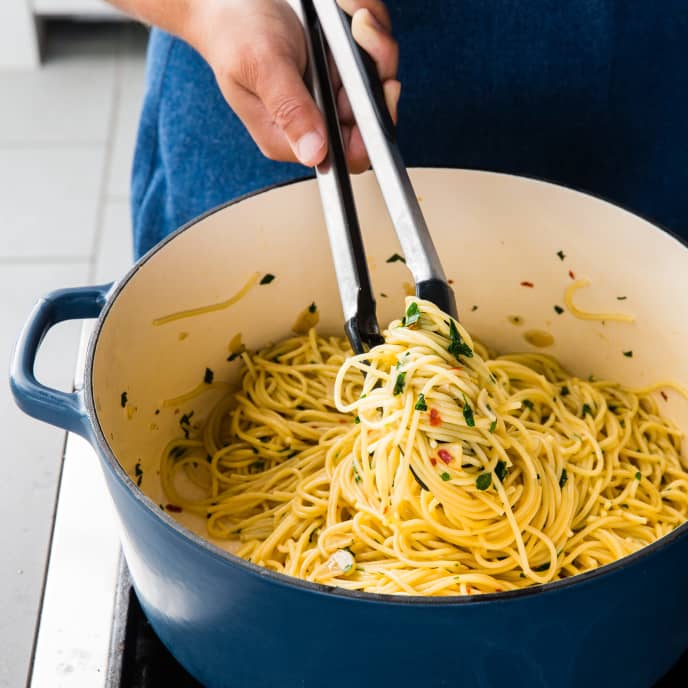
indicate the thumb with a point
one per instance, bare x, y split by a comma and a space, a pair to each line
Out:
290, 106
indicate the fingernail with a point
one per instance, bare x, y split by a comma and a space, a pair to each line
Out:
308, 147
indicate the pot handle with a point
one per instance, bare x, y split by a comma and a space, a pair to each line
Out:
64, 409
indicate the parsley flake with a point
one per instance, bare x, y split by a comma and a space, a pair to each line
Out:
468, 413
420, 404
638, 476
628, 354
501, 470
564, 391
445, 476
561, 255
586, 410
493, 426
123, 399
399, 384
312, 308
208, 376
558, 309
457, 347
564, 477
267, 278
412, 314
483, 481
396, 258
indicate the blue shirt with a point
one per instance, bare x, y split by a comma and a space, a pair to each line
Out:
591, 94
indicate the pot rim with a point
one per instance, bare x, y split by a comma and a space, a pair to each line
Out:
182, 532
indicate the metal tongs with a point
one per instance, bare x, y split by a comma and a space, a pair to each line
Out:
327, 26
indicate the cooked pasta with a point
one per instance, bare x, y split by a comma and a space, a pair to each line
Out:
428, 466
585, 315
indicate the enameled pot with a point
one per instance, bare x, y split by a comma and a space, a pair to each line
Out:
231, 623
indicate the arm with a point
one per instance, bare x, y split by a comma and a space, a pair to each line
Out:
258, 54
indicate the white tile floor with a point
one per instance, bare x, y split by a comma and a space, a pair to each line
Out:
66, 140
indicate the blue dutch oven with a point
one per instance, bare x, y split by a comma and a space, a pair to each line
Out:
231, 623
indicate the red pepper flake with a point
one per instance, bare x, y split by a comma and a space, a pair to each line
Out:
527, 284
173, 508
445, 456
458, 369
433, 462
664, 396
435, 418
450, 281
342, 421
469, 589
572, 275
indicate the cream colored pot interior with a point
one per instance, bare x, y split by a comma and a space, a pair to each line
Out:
493, 232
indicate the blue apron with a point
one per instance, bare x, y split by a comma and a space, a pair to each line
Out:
591, 94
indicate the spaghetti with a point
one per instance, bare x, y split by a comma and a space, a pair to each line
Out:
442, 470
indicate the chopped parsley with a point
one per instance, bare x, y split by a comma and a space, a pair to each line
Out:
399, 384
383, 295
638, 476
312, 308
357, 420
157, 412
559, 310
468, 413
178, 452
123, 399
457, 347
420, 404
138, 472
628, 354
412, 314
501, 470
267, 278
445, 476
475, 308
483, 481
564, 391
208, 376
561, 255
528, 404
493, 426
396, 258
587, 410
185, 423
621, 298
564, 477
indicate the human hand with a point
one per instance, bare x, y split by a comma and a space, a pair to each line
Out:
258, 53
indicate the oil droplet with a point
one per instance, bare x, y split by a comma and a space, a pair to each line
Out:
538, 338
515, 320
409, 289
307, 319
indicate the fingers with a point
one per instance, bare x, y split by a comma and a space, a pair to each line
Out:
291, 108
269, 96
375, 40
375, 6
